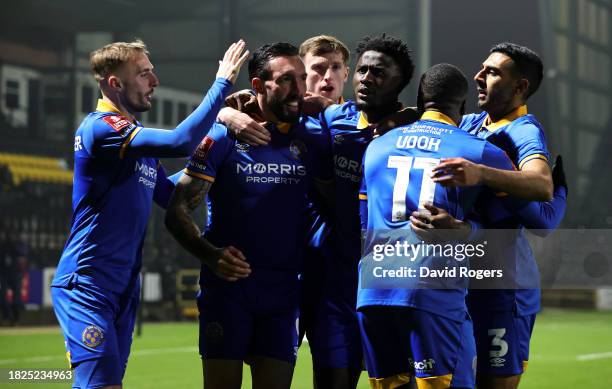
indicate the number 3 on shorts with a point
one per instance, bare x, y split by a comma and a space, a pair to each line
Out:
499, 347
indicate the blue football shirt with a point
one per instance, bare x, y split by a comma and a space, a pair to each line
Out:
396, 182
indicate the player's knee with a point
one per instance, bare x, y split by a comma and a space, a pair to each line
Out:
489, 381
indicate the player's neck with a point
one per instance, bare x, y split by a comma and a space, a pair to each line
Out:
120, 107
451, 111
375, 114
497, 115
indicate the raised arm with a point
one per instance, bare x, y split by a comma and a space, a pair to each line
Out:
227, 262
181, 141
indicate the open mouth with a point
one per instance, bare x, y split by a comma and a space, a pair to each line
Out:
293, 106
327, 89
482, 93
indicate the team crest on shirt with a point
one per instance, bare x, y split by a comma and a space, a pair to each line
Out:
297, 149
338, 138
92, 336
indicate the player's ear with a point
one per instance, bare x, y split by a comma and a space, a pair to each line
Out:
347, 70
521, 87
114, 82
258, 85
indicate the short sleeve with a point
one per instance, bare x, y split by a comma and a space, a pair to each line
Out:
210, 154
529, 142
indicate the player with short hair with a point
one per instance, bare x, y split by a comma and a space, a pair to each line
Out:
326, 59
384, 67
417, 326
504, 318
252, 251
117, 175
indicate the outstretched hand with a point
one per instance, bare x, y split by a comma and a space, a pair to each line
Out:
233, 59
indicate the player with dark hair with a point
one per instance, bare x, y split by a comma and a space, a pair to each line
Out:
384, 66
393, 48
419, 327
334, 332
326, 60
117, 176
503, 89
252, 252
504, 318
526, 63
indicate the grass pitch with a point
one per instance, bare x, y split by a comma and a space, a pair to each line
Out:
569, 349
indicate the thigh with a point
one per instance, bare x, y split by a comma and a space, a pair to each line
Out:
502, 341
222, 374
275, 333
386, 345
98, 373
443, 351
87, 318
336, 341
271, 373
226, 327
124, 326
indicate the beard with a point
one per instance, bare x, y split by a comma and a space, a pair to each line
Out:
282, 112
137, 104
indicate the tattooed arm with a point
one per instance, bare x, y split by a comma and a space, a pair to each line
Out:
226, 262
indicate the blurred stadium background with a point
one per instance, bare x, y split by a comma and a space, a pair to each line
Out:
46, 90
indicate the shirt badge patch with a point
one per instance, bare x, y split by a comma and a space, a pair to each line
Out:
297, 149
92, 336
118, 123
203, 148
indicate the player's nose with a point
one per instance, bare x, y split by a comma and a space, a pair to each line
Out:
154, 80
479, 76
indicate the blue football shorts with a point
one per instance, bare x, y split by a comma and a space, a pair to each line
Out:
401, 343
97, 325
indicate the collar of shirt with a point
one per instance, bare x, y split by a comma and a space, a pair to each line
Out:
438, 117
362, 122
509, 118
281, 127
107, 106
